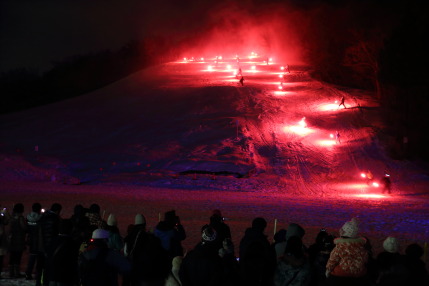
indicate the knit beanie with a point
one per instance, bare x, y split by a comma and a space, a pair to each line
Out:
209, 234
139, 219
391, 245
350, 228
100, 234
111, 220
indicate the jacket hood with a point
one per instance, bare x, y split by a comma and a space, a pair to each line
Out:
33, 217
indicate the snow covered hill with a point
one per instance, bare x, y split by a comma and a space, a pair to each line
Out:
187, 135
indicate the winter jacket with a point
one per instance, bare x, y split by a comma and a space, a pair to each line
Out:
348, 258
34, 233
202, 266
17, 232
49, 223
100, 266
292, 271
257, 259
115, 241
4, 242
130, 239
63, 263
171, 238
150, 261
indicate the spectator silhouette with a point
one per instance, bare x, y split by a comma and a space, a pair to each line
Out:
50, 225
150, 261
347, 262
203, 265
34, 242
17, 233
4, 220
293, 269
81, 227
222, 229
293, 229
391, 264
418, 274
318, 254
171, 233
94, 216
257, 257
131, 239
229, 263
115, 242
63, 263
99, 265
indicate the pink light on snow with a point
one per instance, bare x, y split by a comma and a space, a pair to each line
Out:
328, 107
298, 129
281, 93
370, 196
326, 143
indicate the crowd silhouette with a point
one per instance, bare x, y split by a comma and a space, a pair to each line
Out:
86, 250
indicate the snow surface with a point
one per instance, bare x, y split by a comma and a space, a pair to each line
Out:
188, 137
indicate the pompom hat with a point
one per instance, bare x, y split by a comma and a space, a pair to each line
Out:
350, 228
391, 245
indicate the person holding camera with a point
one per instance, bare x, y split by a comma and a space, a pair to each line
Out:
171, 233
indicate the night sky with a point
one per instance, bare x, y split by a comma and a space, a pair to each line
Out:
33, 34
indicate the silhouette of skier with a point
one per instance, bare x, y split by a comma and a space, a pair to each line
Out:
337, 136
242, 81
342, 102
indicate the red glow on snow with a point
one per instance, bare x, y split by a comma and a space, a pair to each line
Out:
328, 107
302, 123
281, 93
297, 129
370, 196
326, 143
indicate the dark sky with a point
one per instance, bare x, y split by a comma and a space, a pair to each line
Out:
33, 34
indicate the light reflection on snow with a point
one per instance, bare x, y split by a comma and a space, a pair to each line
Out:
281, 93
297, 129
370, 196
328, 107
326, 143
